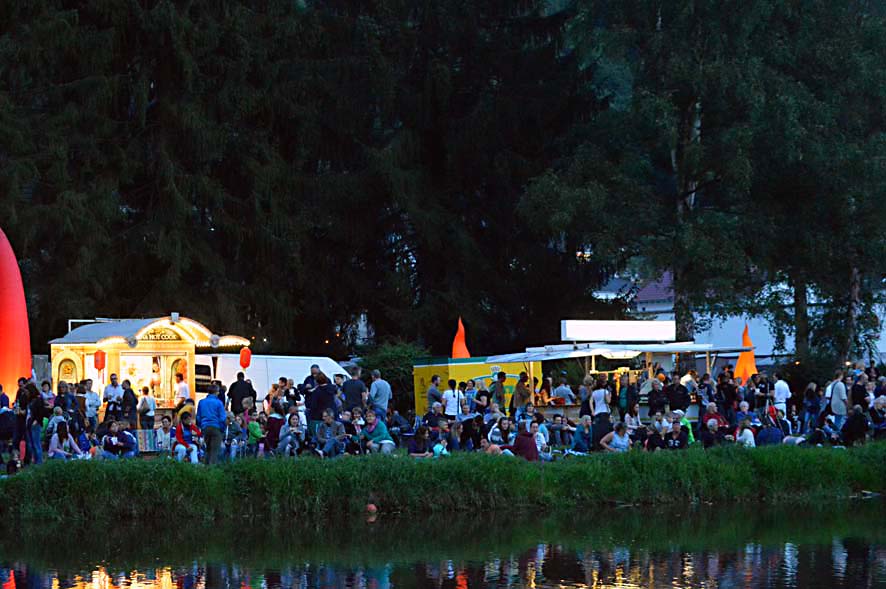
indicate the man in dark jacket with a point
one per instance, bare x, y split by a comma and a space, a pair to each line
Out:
657, 399
239, 390
678, 395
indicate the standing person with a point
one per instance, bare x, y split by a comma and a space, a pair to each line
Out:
434, 394
147, 408
725, 395
656, 399
782, 393
353, 390
38, 410
811, 407
482, 401
452, 400
839, 400
92, 403
4, 399
600, 399
678, 395
497, 390
113, 397
311, 380
182, 390
212, 421
239, 390
471, 393
129, 403
858, 394
380, 394
762, 393
521, 396
20, 409
564, 391
321, 399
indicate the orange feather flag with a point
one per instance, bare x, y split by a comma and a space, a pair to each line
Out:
459, 347
747, 363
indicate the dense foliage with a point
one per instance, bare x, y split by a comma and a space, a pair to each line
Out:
279, 169
310, 490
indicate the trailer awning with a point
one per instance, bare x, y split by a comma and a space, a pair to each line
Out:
611, 351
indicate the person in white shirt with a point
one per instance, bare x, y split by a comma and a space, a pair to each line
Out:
164, 436
600, 399
92, 403
689, 381
782, 394
113, 396
182, 391
746, 437
452, 400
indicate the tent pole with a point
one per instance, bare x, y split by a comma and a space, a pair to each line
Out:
707, 362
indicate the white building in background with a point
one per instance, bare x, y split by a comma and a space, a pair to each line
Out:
655, 300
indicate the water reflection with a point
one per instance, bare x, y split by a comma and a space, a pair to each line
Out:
836, 555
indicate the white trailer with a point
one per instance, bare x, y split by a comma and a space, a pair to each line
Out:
263, 371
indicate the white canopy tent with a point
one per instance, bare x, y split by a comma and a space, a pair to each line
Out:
614, 352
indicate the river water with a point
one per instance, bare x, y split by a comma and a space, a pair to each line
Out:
841, 545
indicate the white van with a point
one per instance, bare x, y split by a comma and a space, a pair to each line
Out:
263, 371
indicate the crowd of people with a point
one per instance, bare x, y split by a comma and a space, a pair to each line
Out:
349, 416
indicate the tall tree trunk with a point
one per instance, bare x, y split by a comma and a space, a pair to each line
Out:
687, 186
801, 318
852, 314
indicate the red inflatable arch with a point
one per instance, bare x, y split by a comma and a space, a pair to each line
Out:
15, 337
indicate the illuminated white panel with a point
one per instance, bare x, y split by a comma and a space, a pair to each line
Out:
618, 331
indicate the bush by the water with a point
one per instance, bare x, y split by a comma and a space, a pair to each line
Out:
311, 489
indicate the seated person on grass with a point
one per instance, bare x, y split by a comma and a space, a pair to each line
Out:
583, 436
419, 446
677, 438
187, 436
375, 435
331, 436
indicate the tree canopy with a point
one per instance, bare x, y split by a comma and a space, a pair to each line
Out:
281, 169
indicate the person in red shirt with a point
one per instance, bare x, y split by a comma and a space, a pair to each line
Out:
525, 445
186, 438
712, 413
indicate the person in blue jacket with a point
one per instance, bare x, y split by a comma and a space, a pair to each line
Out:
211, 418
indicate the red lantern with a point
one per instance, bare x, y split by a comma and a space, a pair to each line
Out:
99, 360
245, 358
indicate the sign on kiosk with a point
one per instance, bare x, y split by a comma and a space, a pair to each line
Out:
618, 331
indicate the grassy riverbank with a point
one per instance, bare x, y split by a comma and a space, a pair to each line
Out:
311, 490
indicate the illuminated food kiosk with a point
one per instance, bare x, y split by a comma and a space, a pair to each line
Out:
147, 352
